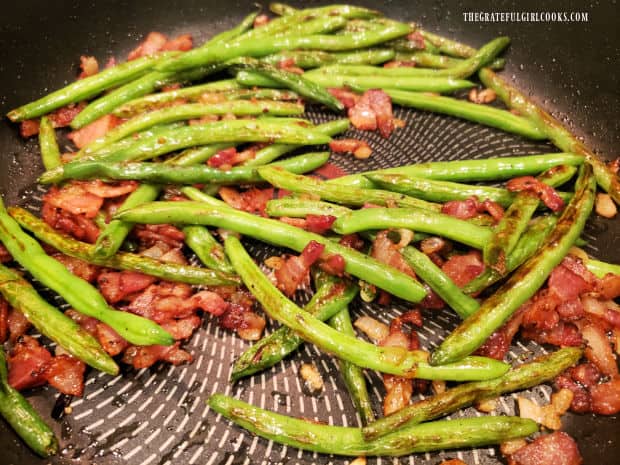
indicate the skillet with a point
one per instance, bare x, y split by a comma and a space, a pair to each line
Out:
156, 416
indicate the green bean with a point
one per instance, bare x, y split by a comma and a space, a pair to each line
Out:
86, 88
315, 58
338, 194
483, 114
524, 376
253, 79
268, 45
558, 134
444, 191
522, 285
432, 60
339, 440
282, 9
527, 245
197, 155
273, 151
261, 130
300, 208
439, 282
163, 174
209, 251
77, 292
136, 88
490, 169
420, 84
332, 295
600, 269
50, 153
348, 11
393, 360
447, 46
292, 81
416, 219
194, 110
404, 45
517, 216
23, 418
122, 260
52, 323
212, 212
352, 374
229, 34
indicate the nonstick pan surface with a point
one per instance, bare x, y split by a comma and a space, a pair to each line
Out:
159, 416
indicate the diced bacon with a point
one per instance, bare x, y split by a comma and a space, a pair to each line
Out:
544, 192
66, 374
252, 201
319, 224
29, 128
570, 310
181, 43
78, 226
27, 364
606, 397
107, 190
174, 256
80, 268
417, 39
145, 356
585, 374
563, 335
87, 323
462, 209
599, 350
608, 286
463, 268
329, 171
18, 324
492, 208
98, 128
352, 241
111, 63
295, 270
154, 42
498, 344
567, 284
209, 302
5, 256
333, 264
381, 105
227, 158
556, 448
89, 66
385, 251
373, 329
431, 300
74, 199
541, 314
183, 328
260, 20
242, 319
116, 286
63, 116
4, 320
582, 401
110, 340
398, 393
362, 115
348, 98
359, 148
150, 234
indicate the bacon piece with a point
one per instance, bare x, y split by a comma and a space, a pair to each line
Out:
145, 356
295, 270
348, 98
242, 319
498, 344
329, 171
110, 340
333, 264
74, 199
227, 158
599, 349
582, 401
462, 209
352, 241
98, 128
585, 374
359, 148
570, 310
362, 114
154, 42
183, 328
556, 448
116, 286
319, 224
150, 234
66, 374
5, 256
608, 286
381, 105
431, 300
78, 226
107, 190
18, 324
417, 39
252, 201
87, 323
29, 128
463, 268
89, 66
492, 208
260, 20
80, 268
4, 320
65, 115
544, 192
541, 314
385, 251
570, 279
181, 43
27, 364
606, 397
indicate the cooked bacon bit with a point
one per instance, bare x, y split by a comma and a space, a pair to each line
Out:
111, 63
63, 116
109, 339
5, 256
78, 226
150, 234
608, 286
319, 224
453, 462
29, 128
348, 98
87, 323
260, 20
182, 328
418, 40
399, 64
80, 268
252, 201
487, 405
146, 356
66, 374
227, 158
311, 377
570, 310
385, 251
93, 131
599, 349
27, 364
556, 448
546, 193
296, 270
116, 286
329, 171
107, 190
492, 208
18, 324
469, 208
431, 300
481, 96
548, 415
288, 64
74, 199
333, 264
373, 110
606, 397
352, 241
614, 165
463, 268
182, 43
570, 279
563, 335
398, 393
373, 329
510, 447
439, 386
358, 461
359, 148
498, 344
605, 206
153, 43
241, 318
4, 320
89, 66
432, 245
